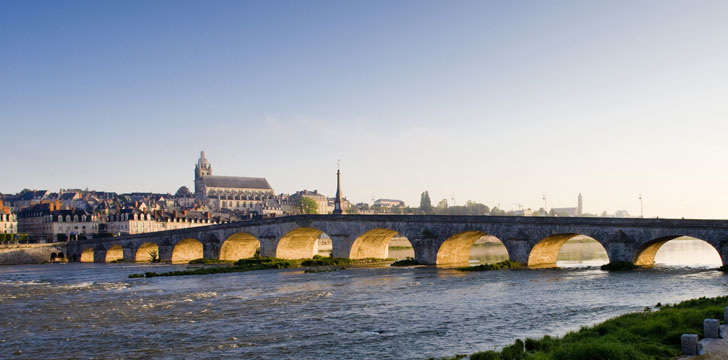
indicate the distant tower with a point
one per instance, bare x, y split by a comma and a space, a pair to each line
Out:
580, 206
203, 168
338, 199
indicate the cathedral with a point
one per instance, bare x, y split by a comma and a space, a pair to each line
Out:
231, 192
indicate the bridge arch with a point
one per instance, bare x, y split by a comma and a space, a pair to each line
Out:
298, 243
143, 253
545, 253
115, 252
186, 250
645, 255
239, 246
87, 255
372, 244
456, 249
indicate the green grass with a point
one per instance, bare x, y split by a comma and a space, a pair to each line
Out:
400, 247
507, 264
619, 266
653, 335
258, 263
210, 261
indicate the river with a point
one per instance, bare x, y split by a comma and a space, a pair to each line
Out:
94, 311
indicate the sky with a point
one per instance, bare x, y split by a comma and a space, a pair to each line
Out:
499, 102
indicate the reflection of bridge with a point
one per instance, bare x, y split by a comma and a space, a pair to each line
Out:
435, 239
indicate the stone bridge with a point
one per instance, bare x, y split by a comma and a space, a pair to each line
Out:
436, 239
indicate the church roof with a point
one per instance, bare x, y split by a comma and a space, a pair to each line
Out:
236, 182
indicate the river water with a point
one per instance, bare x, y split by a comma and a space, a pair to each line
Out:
95, 311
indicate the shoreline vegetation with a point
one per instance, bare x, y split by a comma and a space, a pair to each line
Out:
260, 263
651, 334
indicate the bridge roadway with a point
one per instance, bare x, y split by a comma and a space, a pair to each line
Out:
436, 239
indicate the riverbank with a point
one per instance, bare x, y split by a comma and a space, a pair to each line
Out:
651, 334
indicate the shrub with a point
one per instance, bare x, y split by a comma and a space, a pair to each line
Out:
486, 355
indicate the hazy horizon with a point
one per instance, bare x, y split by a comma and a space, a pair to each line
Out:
495, 102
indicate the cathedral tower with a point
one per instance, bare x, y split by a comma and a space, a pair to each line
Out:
203, 168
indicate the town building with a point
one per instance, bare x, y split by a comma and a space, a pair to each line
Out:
321, 200
388, 203
49, 222
8, 220
135, 221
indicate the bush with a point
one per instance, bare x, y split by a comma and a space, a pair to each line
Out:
597, 349
486, 355
513, 352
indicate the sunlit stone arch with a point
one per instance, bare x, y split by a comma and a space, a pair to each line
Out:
645, 254
546, 251
186, 250
299, 243
372, 244
114, 252
239, 246
87, 255
143, 253
456, 248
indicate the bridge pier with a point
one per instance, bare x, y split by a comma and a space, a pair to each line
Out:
619, 247
210, 250
341, 245
268, 245
129, 253
518, 250
426, 249
165, 252
99, 256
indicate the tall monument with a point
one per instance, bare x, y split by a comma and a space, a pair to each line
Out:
580, 206
203, 168
338, 199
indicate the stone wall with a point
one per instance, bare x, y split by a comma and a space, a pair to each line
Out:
29, 253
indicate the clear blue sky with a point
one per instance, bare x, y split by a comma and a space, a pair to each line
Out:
492, 101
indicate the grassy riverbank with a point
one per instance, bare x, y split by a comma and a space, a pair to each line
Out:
652, 334
258, 263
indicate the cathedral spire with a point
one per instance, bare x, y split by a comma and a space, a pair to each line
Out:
338, 199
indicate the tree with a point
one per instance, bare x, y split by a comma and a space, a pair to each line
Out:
442, 205
425, 203
183, 191
307, 205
